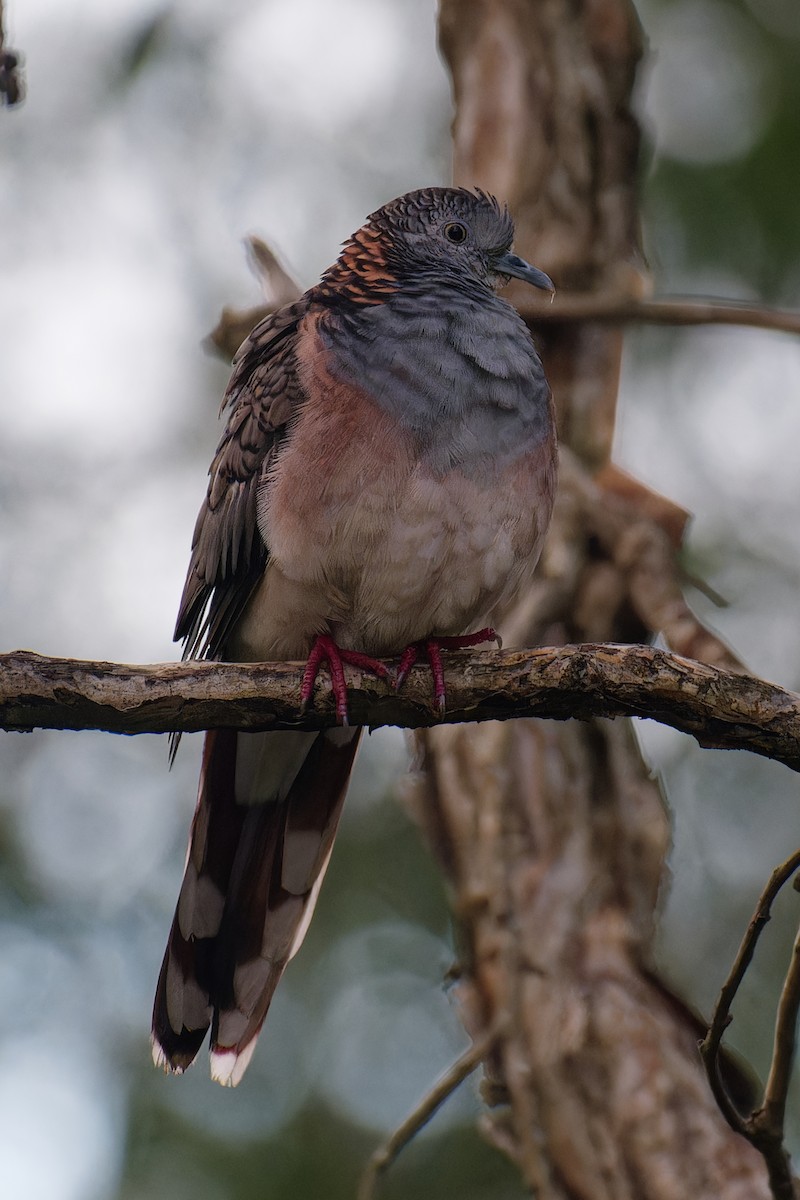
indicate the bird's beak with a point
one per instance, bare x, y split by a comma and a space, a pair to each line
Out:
512, 264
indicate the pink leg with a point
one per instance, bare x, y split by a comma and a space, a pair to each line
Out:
326, 650
432, 648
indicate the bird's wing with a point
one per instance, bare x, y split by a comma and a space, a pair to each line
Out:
228, 553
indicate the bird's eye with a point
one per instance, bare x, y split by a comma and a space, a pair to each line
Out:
455, 232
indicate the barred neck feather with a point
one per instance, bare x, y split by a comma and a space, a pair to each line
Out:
361, 274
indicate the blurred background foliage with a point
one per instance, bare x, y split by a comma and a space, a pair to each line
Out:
154, 137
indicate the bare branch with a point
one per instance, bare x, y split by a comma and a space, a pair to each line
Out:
418, 1118
721, 1019
718, 708
235, 324
663, 310
773, 1113
765, 1127
278, 287
640, 532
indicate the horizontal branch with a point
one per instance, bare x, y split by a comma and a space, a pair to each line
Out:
718, 708
665, 310
235, 324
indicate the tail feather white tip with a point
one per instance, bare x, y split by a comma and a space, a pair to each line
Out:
160, 1058
228, 1066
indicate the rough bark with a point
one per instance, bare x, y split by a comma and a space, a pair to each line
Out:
718, 708
553, 836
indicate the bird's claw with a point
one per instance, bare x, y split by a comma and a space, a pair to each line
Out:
325, 650
432, 649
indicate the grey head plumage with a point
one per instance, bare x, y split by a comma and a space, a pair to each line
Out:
448, 235
414, 318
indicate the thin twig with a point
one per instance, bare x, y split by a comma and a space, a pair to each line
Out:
721, 1019
665, 310
764, 1128
385, 1155
767, 1124
773, 1111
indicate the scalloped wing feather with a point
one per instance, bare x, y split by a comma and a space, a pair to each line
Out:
228, 554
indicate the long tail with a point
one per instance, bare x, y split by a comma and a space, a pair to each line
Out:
267, 812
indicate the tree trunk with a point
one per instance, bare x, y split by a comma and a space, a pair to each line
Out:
552, 835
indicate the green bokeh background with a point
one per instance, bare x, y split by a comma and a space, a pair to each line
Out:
153, 138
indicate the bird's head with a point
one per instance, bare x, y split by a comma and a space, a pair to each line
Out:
449, 235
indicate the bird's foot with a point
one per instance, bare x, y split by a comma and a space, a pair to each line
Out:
326, 650
432, 649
